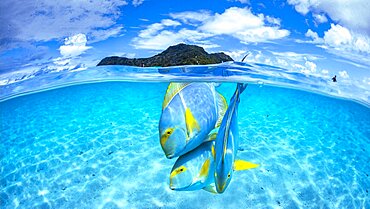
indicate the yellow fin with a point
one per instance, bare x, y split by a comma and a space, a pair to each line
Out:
212, 135
211, 188
213, 151
191, 122
172, 90
240, 165
205, 168
222, 107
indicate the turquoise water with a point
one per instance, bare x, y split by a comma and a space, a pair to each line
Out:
97, 146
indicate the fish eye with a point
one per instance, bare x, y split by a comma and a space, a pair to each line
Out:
180, 169
169, 131
228, 175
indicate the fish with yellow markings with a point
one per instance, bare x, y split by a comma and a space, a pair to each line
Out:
226, 145
194, 170
189, 112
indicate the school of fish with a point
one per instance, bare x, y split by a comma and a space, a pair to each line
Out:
199, 127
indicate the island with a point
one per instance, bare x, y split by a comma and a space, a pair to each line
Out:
180, 54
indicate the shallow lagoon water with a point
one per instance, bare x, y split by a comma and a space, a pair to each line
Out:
97, 146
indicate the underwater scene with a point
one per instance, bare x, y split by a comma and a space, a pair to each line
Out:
168, 104
98, 145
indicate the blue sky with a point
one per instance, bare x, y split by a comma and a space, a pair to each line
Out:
322, 38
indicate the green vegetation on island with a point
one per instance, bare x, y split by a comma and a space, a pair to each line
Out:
181, 54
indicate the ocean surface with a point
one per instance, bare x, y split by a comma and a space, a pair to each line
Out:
89, 139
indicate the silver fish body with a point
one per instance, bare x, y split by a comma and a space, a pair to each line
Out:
190, 111
194, 170
226, 144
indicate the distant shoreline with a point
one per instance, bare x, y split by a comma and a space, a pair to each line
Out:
180, 54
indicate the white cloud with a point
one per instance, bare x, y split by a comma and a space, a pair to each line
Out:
205, 44
324, 71
310, 67
302, 6
343, 74
289, 61
28, 54
348, 88
320, 18
352, 14
366, 81
74, 46
313, 35
272, 20
158, 41
163, 39
242, 24
241, 1
292, 61
262, 34
281, 62
340, 38
233, 20
239, 23
191, 17
45, 20
123, 54
137, 2
258, 57
298, 67
337, 36
356, 64
61, 61
237, 55
349, 37
294, 56
343, 42
153, 29
100, 35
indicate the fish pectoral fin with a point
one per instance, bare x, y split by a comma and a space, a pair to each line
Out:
241, 165
213, 151
191, 122
221, 107
212, 135
210, 188
205, 169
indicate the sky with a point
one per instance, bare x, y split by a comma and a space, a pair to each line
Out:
323, 38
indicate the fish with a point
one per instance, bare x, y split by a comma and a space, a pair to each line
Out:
194, 170
226, 145
189, 112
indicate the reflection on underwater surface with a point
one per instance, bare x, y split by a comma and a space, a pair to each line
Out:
225, 72
97, 145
